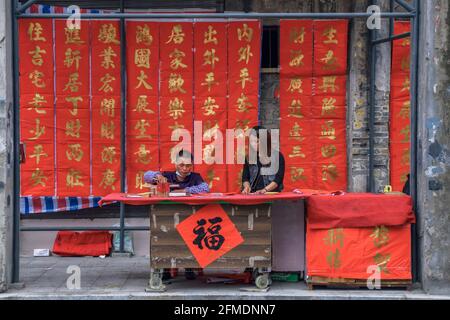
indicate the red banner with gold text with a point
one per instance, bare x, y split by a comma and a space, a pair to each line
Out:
37, 113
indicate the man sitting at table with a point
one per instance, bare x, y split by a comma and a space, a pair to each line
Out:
188, 181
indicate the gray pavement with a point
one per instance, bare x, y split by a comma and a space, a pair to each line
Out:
126, 278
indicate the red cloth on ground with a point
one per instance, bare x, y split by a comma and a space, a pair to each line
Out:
237, 199
89, 243
357, 210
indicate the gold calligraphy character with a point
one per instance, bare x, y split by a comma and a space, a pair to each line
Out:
406, 157
242, 104
36, 79
211, 177
177, 59
38, 153
209, 107
73, 128
74, 101
35, 32
330, 60
36, 56
334, 236
295, 109
108, 54
297, 152
245, 33
38, 131
141, 81
73, 36
381, 261
176, 126
107, 130
107, 107
328, 151
73, 85
74, 152
143, 35
142, 58
329, 172
209, 81
297, 174
141, 126
143, 155
328, 106
406, 84
72, 57
108, 154
36, 104
176, 83
177, 35
330, 34
380, 236
405, 63
243, 77
108, 34
209, 58
297, 57
297, 35
334, 259
108, 179
295, 85
38, 177
210, 36
329, 83
328, 131
140, 180
176, 108
141, 105
296, 132
73, 179
405, 110
405, 132
243, 124
106, 80
245, 54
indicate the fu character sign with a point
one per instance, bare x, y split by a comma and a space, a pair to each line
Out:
209, 234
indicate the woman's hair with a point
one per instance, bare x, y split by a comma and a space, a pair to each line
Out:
255, 131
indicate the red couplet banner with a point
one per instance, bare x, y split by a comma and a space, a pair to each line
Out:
176, 88
106, 77
37, 111
313, 66
244, 59
73, 114
142, 101
210, 107
400, 108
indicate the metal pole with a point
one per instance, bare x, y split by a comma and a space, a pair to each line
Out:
16, 153
405, 5
123, 86
25, 6
392, 38
230, 15
413, 131
372, 63
39, 229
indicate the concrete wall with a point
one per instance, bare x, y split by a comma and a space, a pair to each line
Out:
434, 146
6, 150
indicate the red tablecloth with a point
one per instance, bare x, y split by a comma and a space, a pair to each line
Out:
237, 199
357, 210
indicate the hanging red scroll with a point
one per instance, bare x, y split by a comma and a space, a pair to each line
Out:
296, 68
106, 148
142, 101
244, 59
329, 104
37, 107
176, 89
400, 107
72, 109
210, 111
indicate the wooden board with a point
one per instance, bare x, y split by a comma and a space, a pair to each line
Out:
314, 282
168, 250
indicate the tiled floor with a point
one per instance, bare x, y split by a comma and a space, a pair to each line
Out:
127, 278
